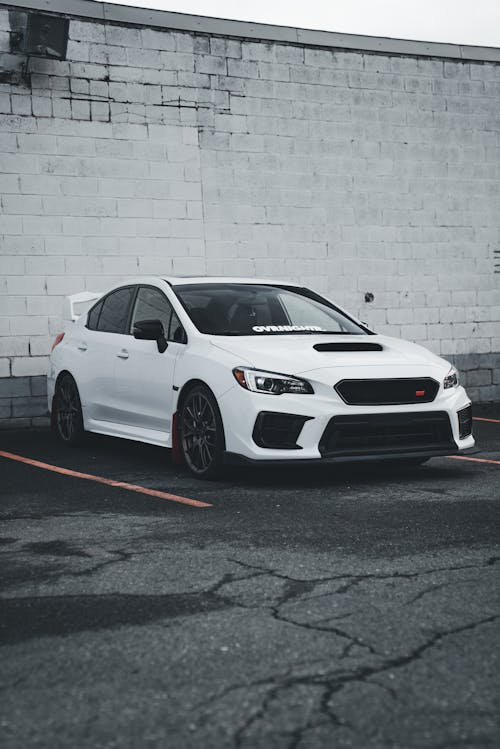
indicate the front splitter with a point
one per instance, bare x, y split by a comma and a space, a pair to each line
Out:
231, 458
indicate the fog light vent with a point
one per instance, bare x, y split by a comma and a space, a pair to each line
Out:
465, 422
277, 430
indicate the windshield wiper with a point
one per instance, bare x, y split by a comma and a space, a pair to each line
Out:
281, 332
317, 332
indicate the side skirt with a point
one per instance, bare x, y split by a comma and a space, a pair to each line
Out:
110, 429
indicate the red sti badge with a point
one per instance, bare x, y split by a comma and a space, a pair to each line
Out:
420, 393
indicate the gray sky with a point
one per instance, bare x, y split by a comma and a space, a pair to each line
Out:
456, 21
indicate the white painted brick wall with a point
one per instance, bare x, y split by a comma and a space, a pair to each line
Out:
154, 151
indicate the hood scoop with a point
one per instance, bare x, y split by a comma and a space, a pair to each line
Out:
341, 346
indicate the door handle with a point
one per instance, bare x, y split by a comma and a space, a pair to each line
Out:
123, 354
82, 346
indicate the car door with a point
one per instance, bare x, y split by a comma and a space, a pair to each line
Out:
99, 344
144, 379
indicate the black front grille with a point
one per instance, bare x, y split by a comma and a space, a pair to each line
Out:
277, 430
368, 434
392, 392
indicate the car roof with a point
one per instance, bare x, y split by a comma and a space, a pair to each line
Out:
194, 280
188, 280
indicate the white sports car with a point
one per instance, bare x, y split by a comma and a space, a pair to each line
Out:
244, 370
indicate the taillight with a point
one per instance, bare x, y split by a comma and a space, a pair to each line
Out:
59, 338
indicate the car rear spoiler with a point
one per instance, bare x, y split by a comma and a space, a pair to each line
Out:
77, 304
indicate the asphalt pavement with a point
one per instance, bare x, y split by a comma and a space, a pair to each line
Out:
309, 607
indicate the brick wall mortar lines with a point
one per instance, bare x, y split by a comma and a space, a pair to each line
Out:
153, 151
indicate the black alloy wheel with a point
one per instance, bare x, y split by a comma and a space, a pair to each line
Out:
201, 433
68, 411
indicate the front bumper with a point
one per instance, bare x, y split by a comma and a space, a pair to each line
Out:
240, 410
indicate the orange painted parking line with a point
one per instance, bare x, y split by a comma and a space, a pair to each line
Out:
475, 460
103, 480
480, 418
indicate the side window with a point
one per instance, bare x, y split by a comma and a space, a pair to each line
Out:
93, 316
176, 332
151, 304
114, 311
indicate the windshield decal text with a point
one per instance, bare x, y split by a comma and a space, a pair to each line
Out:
285, 328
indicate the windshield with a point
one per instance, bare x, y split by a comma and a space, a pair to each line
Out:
258, 309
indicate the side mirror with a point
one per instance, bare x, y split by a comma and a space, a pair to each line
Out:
151, 330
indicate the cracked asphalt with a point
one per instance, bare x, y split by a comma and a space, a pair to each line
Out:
308, 607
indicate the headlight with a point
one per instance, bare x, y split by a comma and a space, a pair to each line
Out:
270, 382
451, 379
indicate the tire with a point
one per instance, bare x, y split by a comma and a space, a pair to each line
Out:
201, 433
68, 416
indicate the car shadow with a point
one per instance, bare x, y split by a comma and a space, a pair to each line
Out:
354, 474
111, 454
